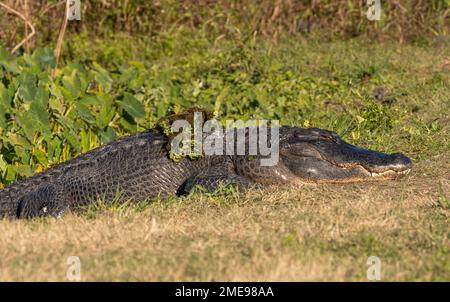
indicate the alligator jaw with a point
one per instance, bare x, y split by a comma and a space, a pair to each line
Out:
320, 156
389, 173
377, 165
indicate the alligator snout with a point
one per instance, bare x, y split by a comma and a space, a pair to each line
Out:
397, 162
391, 166
331, 159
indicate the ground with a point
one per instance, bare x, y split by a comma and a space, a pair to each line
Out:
324, 232
317, 232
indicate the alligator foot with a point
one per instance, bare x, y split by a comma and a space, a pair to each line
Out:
214, 177
47, 200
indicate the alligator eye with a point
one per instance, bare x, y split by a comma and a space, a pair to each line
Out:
329, 137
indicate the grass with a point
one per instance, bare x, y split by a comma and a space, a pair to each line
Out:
400, 20
323, 232
303, 82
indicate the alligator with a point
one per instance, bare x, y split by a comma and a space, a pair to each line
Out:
137, 167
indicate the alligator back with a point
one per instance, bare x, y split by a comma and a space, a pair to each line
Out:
136, 163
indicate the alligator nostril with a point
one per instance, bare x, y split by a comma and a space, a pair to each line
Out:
402, 159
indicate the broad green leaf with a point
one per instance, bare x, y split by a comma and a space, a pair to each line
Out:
108, 136
85, 140
45, 57
24, 170
54, 148
72, 139
127, 125
72, 85
103, 77
10, 173
56, 99
27, 87
85, 113
18, 140
3, 164
66, 122
131, 105
8, 61
42, 59
41, 156
39, 113
92, 99
41, 96
5, 105
26, 121
107, 111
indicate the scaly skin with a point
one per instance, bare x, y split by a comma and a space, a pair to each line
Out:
138, 167
135, 165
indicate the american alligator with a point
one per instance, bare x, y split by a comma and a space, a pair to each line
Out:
138, 167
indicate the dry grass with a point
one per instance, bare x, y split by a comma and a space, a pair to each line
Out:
401, 20
317, 233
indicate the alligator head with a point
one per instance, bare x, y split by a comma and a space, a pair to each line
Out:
316, 155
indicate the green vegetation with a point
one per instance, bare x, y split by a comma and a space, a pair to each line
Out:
402, 20
308, 83
382, 85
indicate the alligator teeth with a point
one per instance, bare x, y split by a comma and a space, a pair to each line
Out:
374, 174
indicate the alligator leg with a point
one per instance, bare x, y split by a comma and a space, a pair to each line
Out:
51, 199
214, 177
